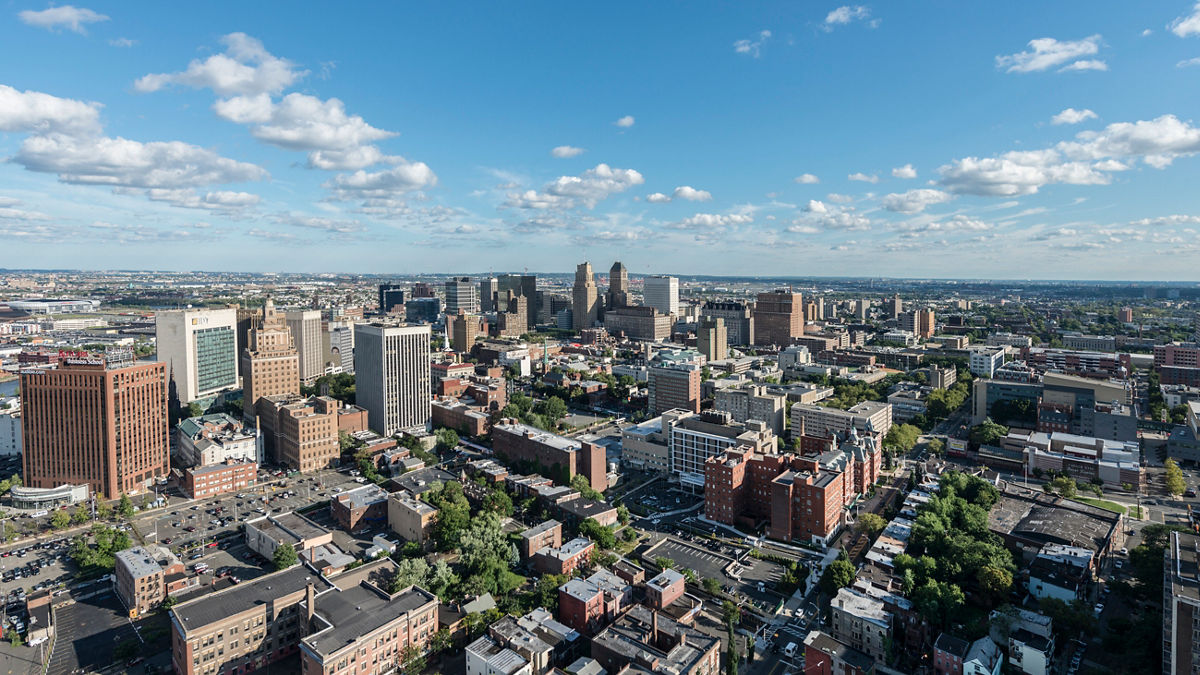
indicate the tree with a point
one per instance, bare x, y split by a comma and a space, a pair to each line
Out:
497, 501
125, 506
80, 515
870, 523
60, 519
995, 581
936, 447
580, 484
711, 585
1175, 484
664, 563
1065, 486
731, 613
447, 439
988, 433
285, 556
623, 515
409, 572
552, 409
731, 655
598, 533
903, 436
169, 602
938, 602
839, 574
440, 641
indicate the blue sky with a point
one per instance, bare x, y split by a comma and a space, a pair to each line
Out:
1005, 140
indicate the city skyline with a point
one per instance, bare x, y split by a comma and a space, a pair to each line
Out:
815, 140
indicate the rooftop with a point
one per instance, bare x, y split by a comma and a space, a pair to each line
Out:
139, 561
678, 650
540, 529
363, 497
825, 643
354, 612
855, 603
201, 612
499, 659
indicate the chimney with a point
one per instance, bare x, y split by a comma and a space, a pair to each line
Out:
654, 627
310, 598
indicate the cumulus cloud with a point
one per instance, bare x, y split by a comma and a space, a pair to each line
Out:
566, 151
907, 171
245, 68
331, 225
1188, 24
816, 206
1177, 219
658, 198
821, 216
752, 47
957, 223
1188, 63
1016, 173
807, 179
914, 201
848, 14
1087, 64
864, 178
38, 113
220, 200
625, 122
839, 198
9, 211
587, 189
711, 221
404, 177
1073, 116
691, 194
1046, 53
67, 17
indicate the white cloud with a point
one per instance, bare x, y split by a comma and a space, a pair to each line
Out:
914, 201
839, 198
221, 200
691, 194
1177, 219
122, 42
1187, 25
119, 162
246, 68
330, 225
1073, 116
816, 206
1087, 64
67, 16
1157, 142
862, 177
588, 189
847, 14
1047, 53
1016, 173
404, 177
957, 223
807, 179
566, 151
822, 216
1147, 32
796, 228
657, 198
625, 122
9, 211
38, 113
752, 47
712, 221
1187, 63
302, 122
906, 171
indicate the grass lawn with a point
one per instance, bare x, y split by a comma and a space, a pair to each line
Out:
1101, 503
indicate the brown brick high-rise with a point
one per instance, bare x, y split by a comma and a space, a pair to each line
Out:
778, 317
270, 364
97, 423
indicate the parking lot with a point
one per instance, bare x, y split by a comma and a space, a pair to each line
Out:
87, 632
705, 563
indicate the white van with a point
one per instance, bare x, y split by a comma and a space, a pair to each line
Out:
790, 650
39, 514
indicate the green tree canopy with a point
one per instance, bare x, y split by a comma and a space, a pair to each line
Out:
285, 556
1175, 484
839, 574
988, 433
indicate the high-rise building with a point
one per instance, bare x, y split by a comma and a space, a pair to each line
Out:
461, 293
305, 326
618, 286
662, 293
96, 421
392, 377
778, 317
1181, 600
739, 321
585, 305
514, 320
341, 345
271, 364
464, 329
487, 294
390, 296
200, 347
919, 322
523, 285
895, 307
712, 339
422, 289
674, 386
422, 310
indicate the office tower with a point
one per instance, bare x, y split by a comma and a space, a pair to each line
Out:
487, 294
271, 363
739, 321
711, 338
96, 421
422, 310
662, 293
245, 316
200, 347
341, 345
778, 317
390, 295
513, 321
860, 309
674, 386
391, 367
422, 289
584, 303
464, 329
461, 293
618, 286
305, 326
895, 307
919, 322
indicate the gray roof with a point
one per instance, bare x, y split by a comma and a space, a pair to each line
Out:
139, 562
203, 611
357, 611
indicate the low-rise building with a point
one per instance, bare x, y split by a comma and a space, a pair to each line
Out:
140, 575
861, 622
826, 655
359, 508
454, 414
646, 641
215, 439
664, 589
409, 517
485, 656
265, 534
644, 447
692, 439
588, 605
543, 451
200, 482
564, 559
984, 362
546, 535
753, 402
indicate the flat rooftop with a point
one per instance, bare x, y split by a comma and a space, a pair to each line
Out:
363, 497
201, 612
359, 610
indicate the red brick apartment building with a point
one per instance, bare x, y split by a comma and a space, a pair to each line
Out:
205, 481
517, 442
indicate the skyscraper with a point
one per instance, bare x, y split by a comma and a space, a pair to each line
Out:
739, 322
200, 346
895, 307
778, 317
618, 286
464, 328
98, 421
305, 326
390, 295
392, 378
662, 293
487, 294
522, 285
271, 364
584, 299
712, 339
461, 293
